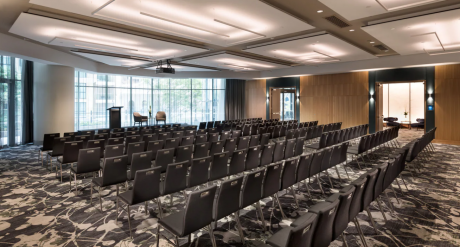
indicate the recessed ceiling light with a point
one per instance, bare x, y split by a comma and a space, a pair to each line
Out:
320, 11
352, 30
372, 42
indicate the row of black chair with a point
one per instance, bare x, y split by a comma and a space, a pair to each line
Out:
330, 138
420, 150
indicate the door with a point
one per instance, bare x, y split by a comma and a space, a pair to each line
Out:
275, 103
379, 108
287, 102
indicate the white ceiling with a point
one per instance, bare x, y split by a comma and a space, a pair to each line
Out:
219, 22
233, 62
413, 35
77, 36
317, 49
357, 9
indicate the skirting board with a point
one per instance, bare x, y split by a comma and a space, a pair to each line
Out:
448, 142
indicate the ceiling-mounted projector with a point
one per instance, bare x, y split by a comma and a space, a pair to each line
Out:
165, 70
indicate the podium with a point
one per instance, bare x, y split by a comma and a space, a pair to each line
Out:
115, 117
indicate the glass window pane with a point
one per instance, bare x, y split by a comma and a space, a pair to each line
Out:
3, 114
218, 105
163, 83
161, 102
5, 68
219, 83
142, 101
180, 84
18, 111
180, 106
201, 106
118, 81
142, 82
91, 109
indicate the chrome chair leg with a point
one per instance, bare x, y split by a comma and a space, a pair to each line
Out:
238, 224
381, 209
259, 209
372, 220
319, 183
360, 231
279, 205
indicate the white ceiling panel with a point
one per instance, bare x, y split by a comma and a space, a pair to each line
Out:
432, 33
77, 36
317, 49
182, 68
357, 9
234, 62
219, 22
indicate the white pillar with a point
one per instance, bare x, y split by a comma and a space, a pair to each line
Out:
54, 97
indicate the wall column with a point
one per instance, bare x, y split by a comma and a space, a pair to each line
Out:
54, 93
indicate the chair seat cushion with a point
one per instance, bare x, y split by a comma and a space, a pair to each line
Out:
127, 197
313, 146
280, 238
97, 181
174, 223
74, 169
161, 119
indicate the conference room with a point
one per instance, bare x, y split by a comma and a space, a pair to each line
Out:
271, 123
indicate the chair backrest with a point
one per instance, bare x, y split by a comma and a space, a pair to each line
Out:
84, 138
368, 195
199, 172
97, 144
135, 147
149, 138
325, 163
132, 133
226, 203
213, 137
379, 181
201, 138
219, 167
303, 170
341, 219
172, 143
272, 180
253, 157
326, 212
164, 158
147, 178
201, 150
254, 140
288, 177
216, 147
210, 125
184, 153
355, 206
71, 150
118, 130
186, 141
58, 145
176, 177
113, 151
89, 160
71, 134
114, 171
251, 191
236, 133
267, 154
302, 232
165, 135
140, 161
278, 153
237, 163
243, 142
131, 139
48, 140
89, 133
154, 146
289, 150
225, 135
230, 146
265, 139
202, 125
299, 143
316, 160
115, 141
198, 210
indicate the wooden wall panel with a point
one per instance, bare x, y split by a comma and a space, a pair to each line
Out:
447, 103
255, 99
335, 98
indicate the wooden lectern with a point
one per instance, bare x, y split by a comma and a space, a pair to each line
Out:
115, 116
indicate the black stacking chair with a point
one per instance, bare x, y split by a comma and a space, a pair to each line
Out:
360, 149
326, 212
321, 144
148, 178
218, 167
303, 170
331, 139
243, 142
102, 136
131, 139
69, 154
145, 132
251, 192
341, 221
288, 177
132, 133
135, 147
216, 147
149, 138
201, 138
191, 133
254, 140
164, 158
213, 131
213, 137
172, 143
283, 130
201, 150
88, 162
300, 233
202, 125
83, 138
272, 184
210, 125
289, 150
113, 151
276, 132
175, 179
118, 130
71, 134
230, 146
199, 172
225, 135
114, 173
164, 136
115, 141
154, 146
355, 206
290, 134
139, 161
300, 142
227, 202
198, 213
264, 139
158, 131
315, 166
253, 158
89, 133
48, 140
100, 143
131, 129
246, 130
278, 153
177, 134
237, 163
184, 153
267, 154
186, 141
236, 133
368, 194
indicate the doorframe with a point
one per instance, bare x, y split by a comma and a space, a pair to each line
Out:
270, 102
284, 82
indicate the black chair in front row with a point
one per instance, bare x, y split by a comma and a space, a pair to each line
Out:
88, 162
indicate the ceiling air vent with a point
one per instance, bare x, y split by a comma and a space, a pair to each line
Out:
381, 47
336, 21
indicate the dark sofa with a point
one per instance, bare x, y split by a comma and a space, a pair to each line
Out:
420, 124
391, 121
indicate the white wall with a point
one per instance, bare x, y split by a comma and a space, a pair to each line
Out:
53, 100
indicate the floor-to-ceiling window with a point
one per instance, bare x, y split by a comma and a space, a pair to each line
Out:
189, 101
10, 101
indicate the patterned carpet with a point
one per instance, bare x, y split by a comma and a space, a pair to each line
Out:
37, 210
